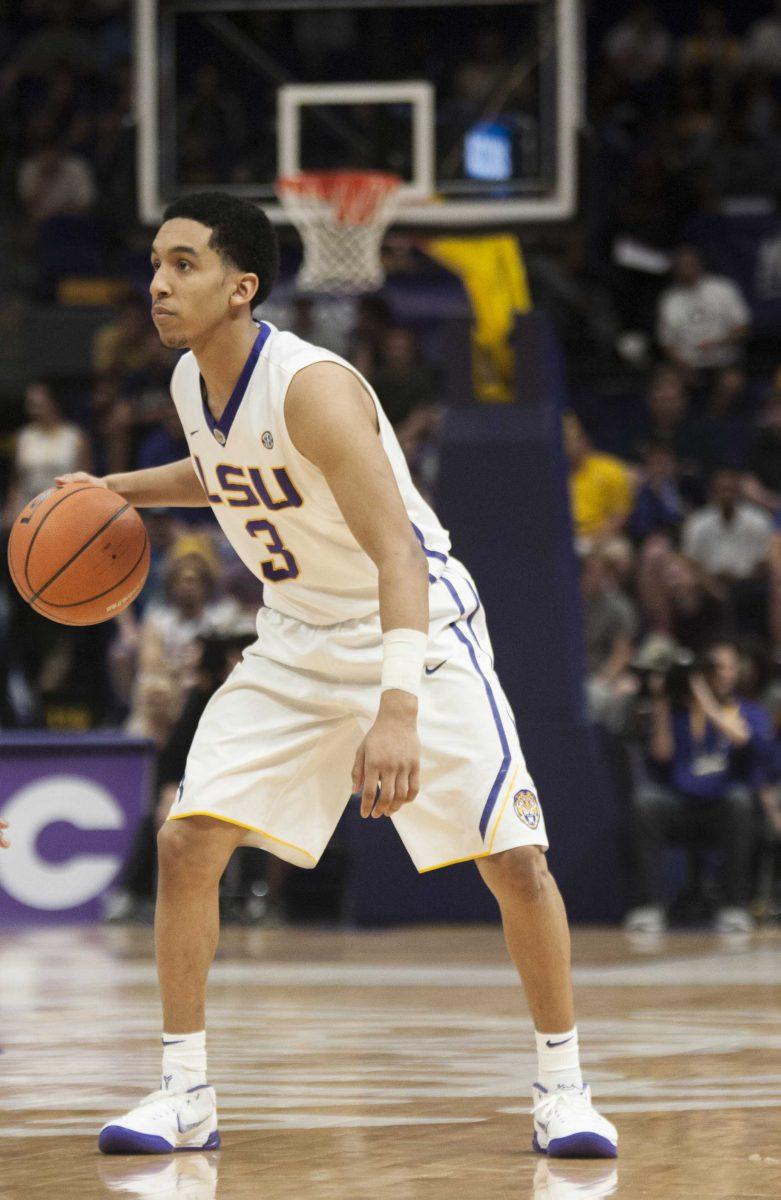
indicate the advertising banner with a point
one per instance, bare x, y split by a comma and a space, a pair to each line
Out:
73, 804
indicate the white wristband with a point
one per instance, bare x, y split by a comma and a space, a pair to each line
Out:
403, 655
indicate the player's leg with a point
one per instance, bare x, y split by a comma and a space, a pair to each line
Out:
537, 935
269, 767
536, 931
478, 802
192, 854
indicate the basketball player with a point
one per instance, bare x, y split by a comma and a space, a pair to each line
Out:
372, 657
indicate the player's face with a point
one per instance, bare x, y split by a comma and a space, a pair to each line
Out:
192, 288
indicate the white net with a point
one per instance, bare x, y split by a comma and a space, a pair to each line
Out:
341, 217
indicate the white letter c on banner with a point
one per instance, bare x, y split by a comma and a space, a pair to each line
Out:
33, 881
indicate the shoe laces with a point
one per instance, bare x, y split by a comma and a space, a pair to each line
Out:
567, 1097
158, 1097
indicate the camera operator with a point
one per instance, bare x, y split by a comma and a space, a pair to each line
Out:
706, 754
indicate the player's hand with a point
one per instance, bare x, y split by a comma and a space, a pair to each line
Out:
388, 758
80, 477
4, 843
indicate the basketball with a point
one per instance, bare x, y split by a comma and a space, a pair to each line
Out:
78, 554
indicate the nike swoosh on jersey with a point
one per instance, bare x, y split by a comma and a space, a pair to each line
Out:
193, 432
431, 670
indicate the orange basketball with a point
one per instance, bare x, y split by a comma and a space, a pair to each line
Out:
79, 554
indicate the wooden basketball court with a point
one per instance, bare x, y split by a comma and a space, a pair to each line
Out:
352, 1066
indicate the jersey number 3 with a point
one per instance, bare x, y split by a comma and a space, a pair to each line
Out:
270, 566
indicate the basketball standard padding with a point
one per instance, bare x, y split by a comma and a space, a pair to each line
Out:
78, 554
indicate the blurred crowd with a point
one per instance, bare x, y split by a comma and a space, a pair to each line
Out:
673, 438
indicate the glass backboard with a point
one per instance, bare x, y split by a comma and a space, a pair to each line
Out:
475, 105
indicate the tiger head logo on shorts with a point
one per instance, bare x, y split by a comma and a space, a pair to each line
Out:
527, 808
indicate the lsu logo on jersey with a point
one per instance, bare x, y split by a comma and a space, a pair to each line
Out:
527, 808
249, 487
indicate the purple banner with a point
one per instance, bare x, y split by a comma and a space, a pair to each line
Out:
73, 804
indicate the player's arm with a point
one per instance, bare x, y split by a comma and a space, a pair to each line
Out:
174, 485
333, 423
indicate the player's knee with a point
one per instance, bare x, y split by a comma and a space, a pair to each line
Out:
182, 850
519, 874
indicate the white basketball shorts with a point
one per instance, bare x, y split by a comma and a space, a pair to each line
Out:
275, 746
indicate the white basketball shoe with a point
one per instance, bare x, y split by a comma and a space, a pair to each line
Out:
163, 1122
566, 1124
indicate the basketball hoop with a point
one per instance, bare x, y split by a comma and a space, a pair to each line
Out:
341, 217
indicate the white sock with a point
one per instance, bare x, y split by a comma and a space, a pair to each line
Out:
184, 1061
558, 1060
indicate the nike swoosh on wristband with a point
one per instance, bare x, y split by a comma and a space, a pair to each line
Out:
431, 670
189, 1128
563, 1042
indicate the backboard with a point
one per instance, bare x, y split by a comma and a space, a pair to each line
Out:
474, 103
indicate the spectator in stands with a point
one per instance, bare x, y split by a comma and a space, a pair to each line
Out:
51, 183
488, 66
601, 487
133, 371
610, 624
216, 115
60, 41
774, 599
666, 419
762, 482
167, 636
681, 600
711, 52
373, 320
763, 42
721, 432
403, 379
156, 703
729, 537
45, 447
694, 128
659, 506
707, 754
118, 348
702, 320
164, 531
164, 443
638, 47
744, 163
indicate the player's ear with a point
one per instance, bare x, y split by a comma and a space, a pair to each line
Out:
245, 289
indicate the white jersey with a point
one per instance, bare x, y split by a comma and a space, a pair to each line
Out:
274, 506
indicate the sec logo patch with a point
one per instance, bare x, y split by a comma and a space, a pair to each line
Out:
527, 808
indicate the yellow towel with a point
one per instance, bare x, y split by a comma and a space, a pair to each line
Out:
492, 270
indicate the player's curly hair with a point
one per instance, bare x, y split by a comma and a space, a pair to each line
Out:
241, 233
